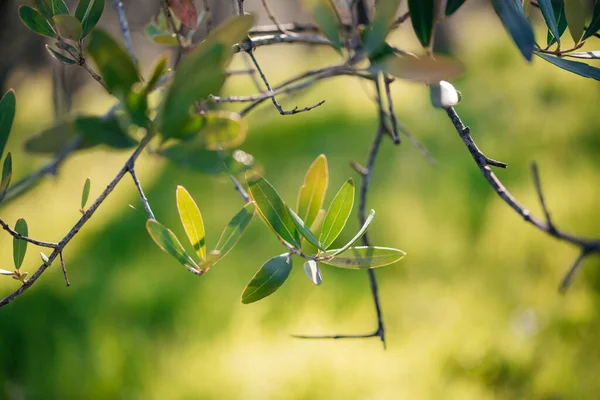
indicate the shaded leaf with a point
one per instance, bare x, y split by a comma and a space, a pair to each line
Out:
337, 214
99, 130
192, 221
326, 18
272, 209
365, 257
575, 14
420, 69
595, 22
268, 278
549, 17
118, 71
185, 11
85, 194
68, 27
50, 8
20, 246
312, 191
6, 176
376, 32
216, 130
517, 25
8, 106
235, 228
168, 242
60, 57
88, 12
195, 157
54, 139
157, 73
453, 5
575, 67
35, 21
359, 234
422, 15
312, 271
304, 229
559, 14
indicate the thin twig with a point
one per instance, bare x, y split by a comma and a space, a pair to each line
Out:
238, 186
538, 187
17, 235
171, 22
118, 6
64, 270
392, 114
273, 18
568, 278
138, 186
267, 40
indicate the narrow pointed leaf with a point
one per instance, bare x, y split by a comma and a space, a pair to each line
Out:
304, 230
549, 17
6, 176
575, 14
590, 55
365, 257
558, 7
452, 6
61, 58
20, 246
192, 222
337, 214
326, 18
517, 25
35, 21
575, 67
68, 27
361, 232
7, 114
5, 272
234, 230
595, 23
312, 271
268, 278
420, 69
272, 209
117, 69
422, 15
157, 73
385, 14
168, 242
312, 191
59, 7
185, 11
88, 12
45, 258
85, 194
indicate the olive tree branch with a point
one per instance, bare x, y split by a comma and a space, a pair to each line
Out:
587, 246
138, 186
17, 235
118, 6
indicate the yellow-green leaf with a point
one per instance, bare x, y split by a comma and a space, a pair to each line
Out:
192, 222
68, 27
575, 14
19, 245
85, 194
337, 214
234, 230
216, 130
312, 191
364, 257
268, 278
326, 18
272, 209
168, 242
420, 69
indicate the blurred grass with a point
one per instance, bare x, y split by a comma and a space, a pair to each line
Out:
472, 312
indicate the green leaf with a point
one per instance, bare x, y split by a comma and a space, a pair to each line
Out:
35, 21
337, 214
361, 232
272, 209
88, 12
168, 242
235, 228
312, 191
194, 156
595, 23
85, 194
517, 25
68, 27
192, 222
304, 229
157, 73
215, 130
60, 57
575, 67
376, 32
326, 18
429, 70
50, 8
575, 14
98, 130
118, 71
559, 14
59, 7
422, 15
365, 257
6, 176
200, 74
8, 106
268, 278
20, 246
312, 271
549, 17
453, 5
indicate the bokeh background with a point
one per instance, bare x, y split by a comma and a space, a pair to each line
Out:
472, 311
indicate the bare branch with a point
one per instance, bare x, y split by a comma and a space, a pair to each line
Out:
568, 278
138, 186
17, 235
392, 114
64, 270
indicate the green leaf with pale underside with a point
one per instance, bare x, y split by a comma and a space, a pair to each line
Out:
364, 257
168, 242
35, 21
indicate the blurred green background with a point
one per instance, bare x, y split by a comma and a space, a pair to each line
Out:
472, 312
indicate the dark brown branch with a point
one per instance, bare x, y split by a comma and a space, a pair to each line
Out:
586, 245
